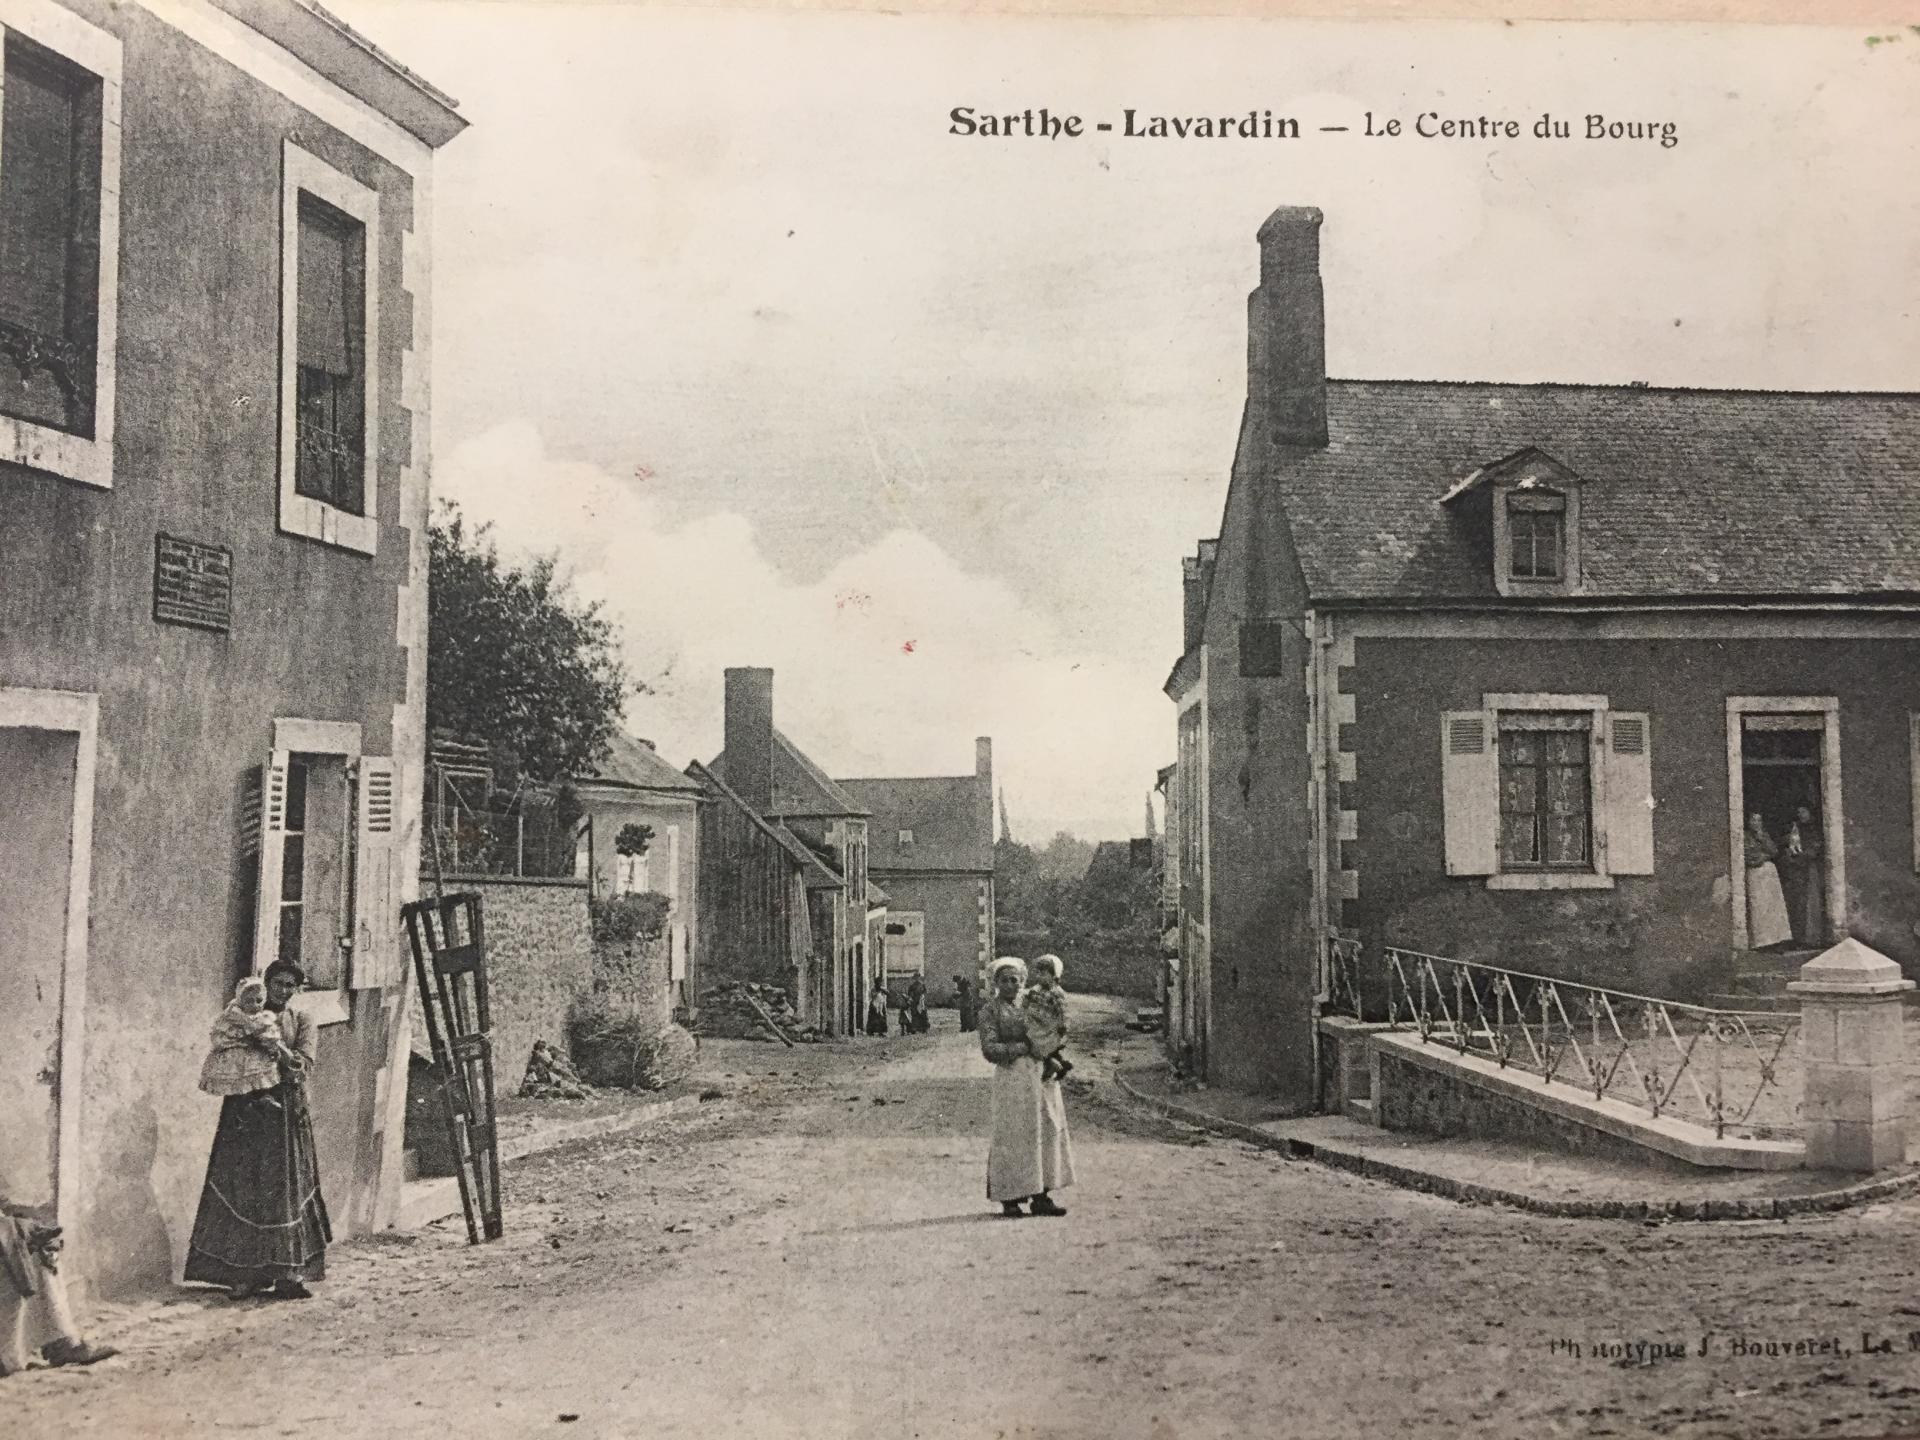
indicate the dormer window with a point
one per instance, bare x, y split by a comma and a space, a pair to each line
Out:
1536, 535
1522, 514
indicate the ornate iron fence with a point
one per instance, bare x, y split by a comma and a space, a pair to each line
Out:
1343, 977
1732, 1071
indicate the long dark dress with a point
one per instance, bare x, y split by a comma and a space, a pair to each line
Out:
262, 1217
968, 1018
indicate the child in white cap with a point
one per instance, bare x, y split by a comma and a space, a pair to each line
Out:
1045, 1004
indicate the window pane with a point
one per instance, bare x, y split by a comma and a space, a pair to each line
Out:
1566, 839
330, 378
293, 868
296, 796
1518, 840
49, 243
290, 936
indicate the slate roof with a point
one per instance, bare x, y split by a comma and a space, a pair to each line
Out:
800, 787
951, 819
1696, 493
635, 766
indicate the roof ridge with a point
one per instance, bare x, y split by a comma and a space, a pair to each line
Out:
1628, 387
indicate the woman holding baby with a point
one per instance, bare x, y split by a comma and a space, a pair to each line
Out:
1032, 1153
262, 1224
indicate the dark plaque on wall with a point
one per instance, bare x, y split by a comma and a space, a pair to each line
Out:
192, 584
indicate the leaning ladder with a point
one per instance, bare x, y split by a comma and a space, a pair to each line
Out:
448, 939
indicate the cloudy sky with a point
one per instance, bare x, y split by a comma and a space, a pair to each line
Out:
792, 376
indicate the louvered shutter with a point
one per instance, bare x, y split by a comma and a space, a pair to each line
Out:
1470, 791
1629, 794
272, 856
376, 911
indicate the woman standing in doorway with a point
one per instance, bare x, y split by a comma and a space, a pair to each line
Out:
263, 1223
1805, 879
1767, 922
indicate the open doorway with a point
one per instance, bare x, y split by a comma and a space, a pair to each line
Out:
1784, 773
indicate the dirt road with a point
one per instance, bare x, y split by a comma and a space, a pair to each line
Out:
813, 1256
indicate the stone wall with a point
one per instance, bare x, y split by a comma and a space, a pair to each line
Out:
1412, 1097
636, 973
539, 956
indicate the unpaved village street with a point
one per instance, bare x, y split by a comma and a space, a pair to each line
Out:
801, 1259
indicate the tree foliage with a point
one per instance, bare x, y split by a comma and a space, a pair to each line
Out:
1100, 919
513, 659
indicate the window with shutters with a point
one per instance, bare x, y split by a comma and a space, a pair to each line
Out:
59, 240
1547, 792
329, 315
321, 827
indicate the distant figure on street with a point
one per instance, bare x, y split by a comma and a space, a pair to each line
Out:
877, 1009
1804, 879
33, 1297
1031, 1154
968, 1002
1767, 922
1045, 1006
913, 1015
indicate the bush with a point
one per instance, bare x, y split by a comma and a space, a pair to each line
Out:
616, 1045
624, 919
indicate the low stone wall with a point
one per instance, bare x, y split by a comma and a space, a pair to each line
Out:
637, 974
1409, 1097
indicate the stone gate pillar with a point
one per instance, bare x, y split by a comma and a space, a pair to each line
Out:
1854, 1102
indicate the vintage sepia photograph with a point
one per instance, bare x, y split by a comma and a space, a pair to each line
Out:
767, 723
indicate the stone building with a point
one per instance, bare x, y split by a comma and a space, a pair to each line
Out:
932, 839
1500, 671
214, 346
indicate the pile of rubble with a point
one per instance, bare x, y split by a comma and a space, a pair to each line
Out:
727, 1013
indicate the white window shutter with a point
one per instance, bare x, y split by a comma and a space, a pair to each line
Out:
376, 913
1629, 794
676, 951
272, 854
1470, 791
673, 863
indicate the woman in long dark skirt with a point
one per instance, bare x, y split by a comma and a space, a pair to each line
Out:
263, 1223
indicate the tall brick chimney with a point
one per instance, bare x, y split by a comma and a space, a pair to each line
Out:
1196, 577
983, 758
1287, 330
749, 738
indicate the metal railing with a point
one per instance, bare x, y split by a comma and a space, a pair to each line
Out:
1343, 977
1723, 1069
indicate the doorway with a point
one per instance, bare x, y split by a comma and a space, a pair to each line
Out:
1783, 765
47, 750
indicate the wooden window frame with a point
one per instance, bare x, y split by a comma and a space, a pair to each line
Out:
1595, 875
1588, 765
86, 459
303, 173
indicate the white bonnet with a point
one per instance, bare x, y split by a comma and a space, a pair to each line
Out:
1052, 963
1008, 962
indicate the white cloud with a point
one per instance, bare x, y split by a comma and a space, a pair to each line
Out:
889, 663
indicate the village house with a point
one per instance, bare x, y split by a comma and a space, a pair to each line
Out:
932, 847
1501, 671
214, 340
636, 796
779, 786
